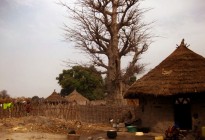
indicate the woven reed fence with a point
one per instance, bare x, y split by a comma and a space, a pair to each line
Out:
83, 113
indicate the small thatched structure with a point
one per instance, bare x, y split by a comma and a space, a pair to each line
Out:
76, 98
173, 91
55, 98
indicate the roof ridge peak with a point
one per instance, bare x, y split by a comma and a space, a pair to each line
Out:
182, 44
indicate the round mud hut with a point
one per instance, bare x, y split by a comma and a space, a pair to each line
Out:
172, 92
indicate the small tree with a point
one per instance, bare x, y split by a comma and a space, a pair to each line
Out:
109, 31
86, 80
35, 99
4, 94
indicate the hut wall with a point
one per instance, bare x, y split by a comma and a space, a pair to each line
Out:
82, 102
198, 106
156, 113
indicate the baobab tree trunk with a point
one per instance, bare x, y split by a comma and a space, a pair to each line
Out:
114, 62
114, 77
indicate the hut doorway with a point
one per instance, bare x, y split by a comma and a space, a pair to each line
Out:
182, 113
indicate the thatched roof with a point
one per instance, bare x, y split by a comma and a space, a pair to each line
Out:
76, 97
182, 72
55, 97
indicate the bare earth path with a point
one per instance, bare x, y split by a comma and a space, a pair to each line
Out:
43, 128
47, 136
31, 136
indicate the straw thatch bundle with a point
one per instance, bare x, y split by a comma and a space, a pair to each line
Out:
182, 72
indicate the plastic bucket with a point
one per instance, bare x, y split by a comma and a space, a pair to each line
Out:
131, 128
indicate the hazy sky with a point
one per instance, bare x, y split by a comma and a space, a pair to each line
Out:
32, 47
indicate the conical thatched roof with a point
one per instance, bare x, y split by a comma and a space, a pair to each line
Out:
55, 97
76, 97
182, 72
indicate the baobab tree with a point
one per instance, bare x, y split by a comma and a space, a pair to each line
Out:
109, 31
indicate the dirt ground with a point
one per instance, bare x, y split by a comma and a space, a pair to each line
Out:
48, 136
43, 128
